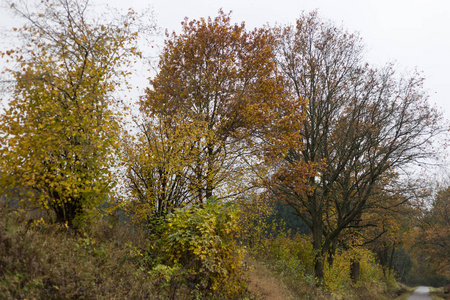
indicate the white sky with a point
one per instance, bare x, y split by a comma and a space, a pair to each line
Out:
414, 33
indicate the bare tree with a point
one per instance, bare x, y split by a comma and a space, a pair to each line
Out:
363, 126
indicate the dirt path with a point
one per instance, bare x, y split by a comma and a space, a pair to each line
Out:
264, 284
421, 293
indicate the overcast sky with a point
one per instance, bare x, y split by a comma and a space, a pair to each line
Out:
414, 33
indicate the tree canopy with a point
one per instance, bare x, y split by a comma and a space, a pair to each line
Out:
217, 84
59, 131
363, 127
433, 232
232, 119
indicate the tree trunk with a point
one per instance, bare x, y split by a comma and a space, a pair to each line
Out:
66, 212
355, 270
318, 268
317, 247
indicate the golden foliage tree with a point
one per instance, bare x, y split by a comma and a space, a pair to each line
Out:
216, 87
157, 167
59, 131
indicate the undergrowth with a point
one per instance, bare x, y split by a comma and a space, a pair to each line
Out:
195, 255
48, 261
291, 257
115, 260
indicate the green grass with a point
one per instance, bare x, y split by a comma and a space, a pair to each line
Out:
404, 296
435, 293
406, 291
438, 294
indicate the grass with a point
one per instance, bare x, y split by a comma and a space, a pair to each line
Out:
264, 284
298, 286
108, 261
438, 294
435, 293
290, 260
42, 261
405, 292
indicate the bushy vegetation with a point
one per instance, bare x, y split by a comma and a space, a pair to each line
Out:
292, 256
195, 257
194, 254
280, 143
48, 261
197, 247
372, 280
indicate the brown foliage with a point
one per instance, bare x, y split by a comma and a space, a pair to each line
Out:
361, 126
433, 236
216, 89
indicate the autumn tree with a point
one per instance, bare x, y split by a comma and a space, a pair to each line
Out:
215, 83
386, 232
157, 164
433, 233
59, 131
363, 127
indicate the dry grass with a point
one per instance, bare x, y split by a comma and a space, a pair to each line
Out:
268, 281
263, 284
109, 261
50, 262
106, 261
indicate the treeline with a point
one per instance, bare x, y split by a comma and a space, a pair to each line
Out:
291, 114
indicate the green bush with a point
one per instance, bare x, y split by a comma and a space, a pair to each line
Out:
292, 259
337, 277
203, 241
295, 254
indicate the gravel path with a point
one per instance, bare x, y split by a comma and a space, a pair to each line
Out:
421, 293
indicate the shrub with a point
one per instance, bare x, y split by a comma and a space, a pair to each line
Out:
203, 241
337, 278
292, 258
295, 254
255, 227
